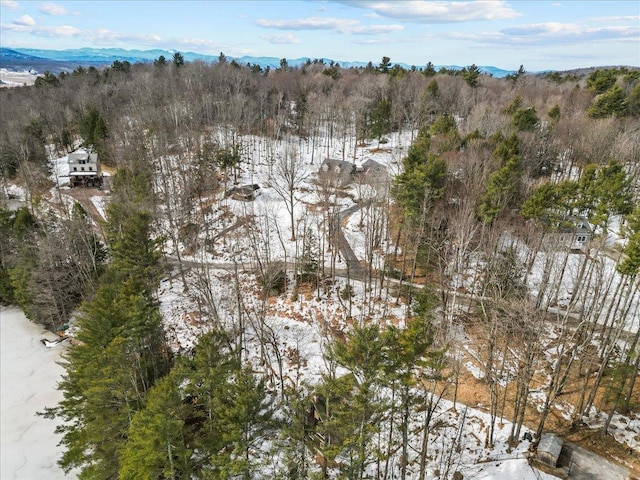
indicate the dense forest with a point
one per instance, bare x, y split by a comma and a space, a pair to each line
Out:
465, 254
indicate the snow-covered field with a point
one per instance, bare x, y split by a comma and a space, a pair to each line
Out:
29, 378
9, 78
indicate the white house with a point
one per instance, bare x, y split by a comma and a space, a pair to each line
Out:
84, 168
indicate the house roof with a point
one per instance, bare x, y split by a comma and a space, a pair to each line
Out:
575, 224
83, 174
372, 165
344, 165
83, 154
550, 443
370, 162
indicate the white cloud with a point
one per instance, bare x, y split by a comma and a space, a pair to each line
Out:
53, 9
375, 29
104, 37
374, 41
438, 12
25, 20
553, 33
282, 39
618, 19
43, 31
309, 23
339, 25
10, 4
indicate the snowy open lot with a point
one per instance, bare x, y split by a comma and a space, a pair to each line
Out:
9, 78
30, 373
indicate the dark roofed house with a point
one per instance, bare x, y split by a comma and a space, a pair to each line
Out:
582, 233
338, 173
374, 172
573, 232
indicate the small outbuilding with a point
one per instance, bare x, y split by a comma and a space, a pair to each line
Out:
244, 192
549, 449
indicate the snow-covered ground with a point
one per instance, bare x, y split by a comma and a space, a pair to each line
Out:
9, 78
625, 429
260, 162
29, 378
301, 327
301, 322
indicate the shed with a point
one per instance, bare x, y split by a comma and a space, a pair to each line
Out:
244, 192
549, 449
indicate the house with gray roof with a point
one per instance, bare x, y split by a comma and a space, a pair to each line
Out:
337, 173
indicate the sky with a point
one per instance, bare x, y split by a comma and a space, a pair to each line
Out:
540, 35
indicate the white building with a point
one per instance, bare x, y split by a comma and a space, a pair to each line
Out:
84, 168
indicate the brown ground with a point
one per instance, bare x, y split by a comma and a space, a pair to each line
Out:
472, 391
83, 196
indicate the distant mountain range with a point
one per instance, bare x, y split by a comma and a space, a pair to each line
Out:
57, 61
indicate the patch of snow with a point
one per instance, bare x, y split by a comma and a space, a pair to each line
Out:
14, 192
625, 429
101, 202
474, 370
59, 170
510, 469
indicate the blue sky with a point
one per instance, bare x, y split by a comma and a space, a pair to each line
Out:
540, 34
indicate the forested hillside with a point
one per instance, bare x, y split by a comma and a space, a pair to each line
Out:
321, 272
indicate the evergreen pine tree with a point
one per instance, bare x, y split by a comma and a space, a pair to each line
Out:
611, 102
159, 435
503, 184
423, 179
121, 352
630, 265
232, 413
356, 402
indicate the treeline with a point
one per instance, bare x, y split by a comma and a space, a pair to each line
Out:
49, 265
101, 106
